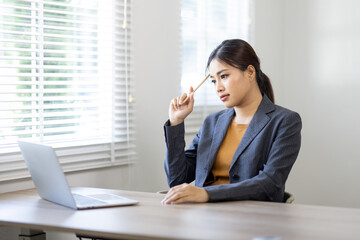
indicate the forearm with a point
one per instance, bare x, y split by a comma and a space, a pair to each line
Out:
179, 168
257, 188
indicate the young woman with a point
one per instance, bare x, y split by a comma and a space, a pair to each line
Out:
244, 152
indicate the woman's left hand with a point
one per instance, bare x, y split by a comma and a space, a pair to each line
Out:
185, 193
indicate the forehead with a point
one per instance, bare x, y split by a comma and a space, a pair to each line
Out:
217, 65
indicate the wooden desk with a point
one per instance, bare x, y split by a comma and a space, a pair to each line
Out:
152, 220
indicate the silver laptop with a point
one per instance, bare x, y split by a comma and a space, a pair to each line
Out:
51, 183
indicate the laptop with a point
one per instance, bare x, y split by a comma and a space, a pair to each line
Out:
51, 184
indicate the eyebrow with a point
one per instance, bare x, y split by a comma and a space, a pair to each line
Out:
219, 72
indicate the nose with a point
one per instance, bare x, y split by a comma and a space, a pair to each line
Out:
219, 86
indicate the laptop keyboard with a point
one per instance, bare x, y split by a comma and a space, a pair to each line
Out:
106, 197
86, 201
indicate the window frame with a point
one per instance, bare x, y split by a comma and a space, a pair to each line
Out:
116, 148
206, 101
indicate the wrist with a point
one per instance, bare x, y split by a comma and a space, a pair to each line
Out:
206, 195
174, 122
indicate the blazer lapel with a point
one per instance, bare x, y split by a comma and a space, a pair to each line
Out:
220, 131
258, 122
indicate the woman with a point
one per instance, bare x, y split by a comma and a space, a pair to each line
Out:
244, 152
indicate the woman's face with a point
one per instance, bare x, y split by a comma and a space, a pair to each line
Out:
232, 85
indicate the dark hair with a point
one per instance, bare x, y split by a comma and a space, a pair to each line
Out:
239, 54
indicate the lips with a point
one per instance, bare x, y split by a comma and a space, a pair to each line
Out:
224, 97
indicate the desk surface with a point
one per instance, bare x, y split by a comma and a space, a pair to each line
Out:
152, 220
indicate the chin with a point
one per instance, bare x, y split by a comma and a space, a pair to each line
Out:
228, 105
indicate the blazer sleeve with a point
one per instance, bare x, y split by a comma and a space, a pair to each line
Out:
179, 164
269, 184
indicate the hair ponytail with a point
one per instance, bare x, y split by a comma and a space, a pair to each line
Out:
240, 54
265, 85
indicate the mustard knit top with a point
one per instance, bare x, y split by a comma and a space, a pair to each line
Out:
221, 167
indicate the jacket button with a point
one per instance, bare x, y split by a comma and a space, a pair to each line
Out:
235, 177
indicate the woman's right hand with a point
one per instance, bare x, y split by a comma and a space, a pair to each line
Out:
179, 109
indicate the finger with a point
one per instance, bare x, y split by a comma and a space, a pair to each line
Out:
183, 99
174, 104
175, 197
191, 94
179, 186
182, 199
173, 107
191, 91
174, 193
178, 102
168, 198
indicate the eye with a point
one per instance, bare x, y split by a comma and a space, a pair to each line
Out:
212, 80
223, 76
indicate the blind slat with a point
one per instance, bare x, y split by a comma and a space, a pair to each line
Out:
204, 25
72, 5
62, 65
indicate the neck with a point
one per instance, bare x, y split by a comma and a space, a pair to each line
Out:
245, 113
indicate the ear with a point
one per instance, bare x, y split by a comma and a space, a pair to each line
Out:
251, 72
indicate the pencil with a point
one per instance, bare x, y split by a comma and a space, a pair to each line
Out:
187, 97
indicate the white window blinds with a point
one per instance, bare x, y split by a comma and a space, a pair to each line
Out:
205, 24
66, 80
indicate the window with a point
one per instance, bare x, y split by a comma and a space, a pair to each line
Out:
66, 80
205, 24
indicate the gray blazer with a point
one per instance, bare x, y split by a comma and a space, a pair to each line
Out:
261, 163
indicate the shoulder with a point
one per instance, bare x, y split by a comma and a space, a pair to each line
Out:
286, 116
284, 120
285, 112
277, 112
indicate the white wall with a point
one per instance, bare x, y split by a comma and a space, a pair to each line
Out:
157, 81
321, 68
268, 40
314, 50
